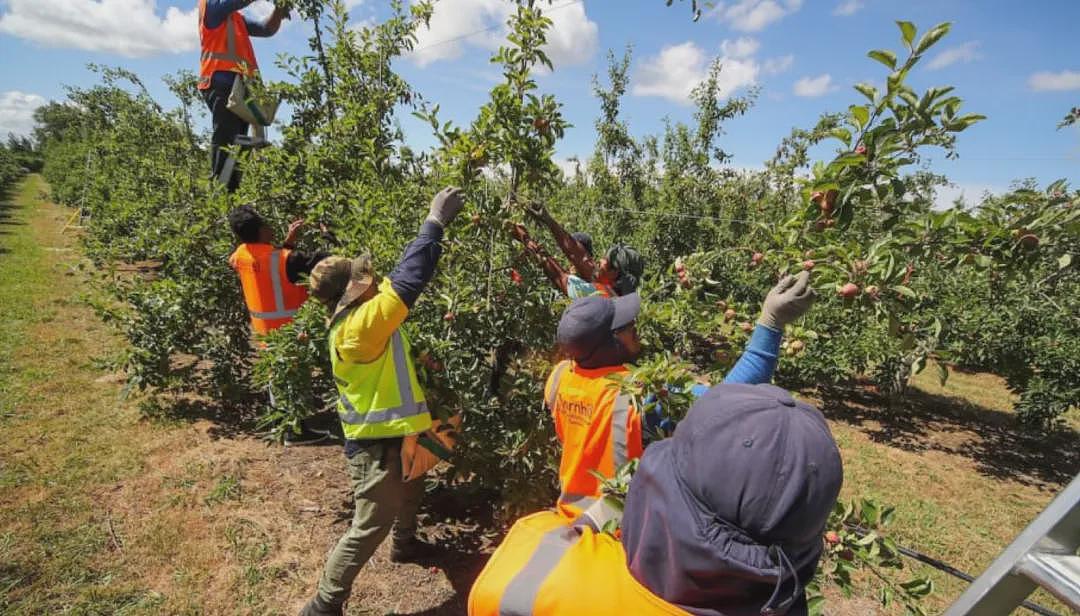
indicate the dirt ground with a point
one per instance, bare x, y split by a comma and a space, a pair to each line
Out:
103, 511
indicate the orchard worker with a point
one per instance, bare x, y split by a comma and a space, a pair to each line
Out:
379, 397
724, 518
270, 277
225, 38
617, 273
600, 430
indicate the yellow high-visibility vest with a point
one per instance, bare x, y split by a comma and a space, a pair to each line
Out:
381, 398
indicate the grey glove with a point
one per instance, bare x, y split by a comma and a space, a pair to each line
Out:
445, 206
788, 300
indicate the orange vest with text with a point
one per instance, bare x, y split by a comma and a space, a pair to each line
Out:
225, 48
548, 567
600, 430
271, 299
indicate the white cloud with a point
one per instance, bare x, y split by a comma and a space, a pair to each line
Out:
848, 8
570, 165
259, 10
814, 86
672, 74
775, 66
740, 48
755, 15
1047, 81
130, 28
17, 112
573, 37
675, 72
968, 52
458, 24
969, 194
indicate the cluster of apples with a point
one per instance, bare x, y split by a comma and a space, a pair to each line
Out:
684, 276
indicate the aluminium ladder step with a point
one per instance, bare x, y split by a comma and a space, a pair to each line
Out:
1043, 554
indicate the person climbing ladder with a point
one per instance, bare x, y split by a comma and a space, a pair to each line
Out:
225, 41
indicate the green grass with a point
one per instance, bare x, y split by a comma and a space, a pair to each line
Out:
54, 454
950, 459
103, 512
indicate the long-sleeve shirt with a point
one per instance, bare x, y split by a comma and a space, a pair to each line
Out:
755, 366
758, 361
367, 329
217, 11
299, 262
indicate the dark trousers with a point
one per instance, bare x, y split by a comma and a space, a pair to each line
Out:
227, 127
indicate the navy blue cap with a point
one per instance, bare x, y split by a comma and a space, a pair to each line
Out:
780, 467
727, 514
587, 324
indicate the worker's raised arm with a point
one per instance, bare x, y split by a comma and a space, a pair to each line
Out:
555, 273
787, 301
417, 266
268, 27
218, 10
574, 251
366, 331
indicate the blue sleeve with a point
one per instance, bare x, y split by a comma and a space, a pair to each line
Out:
218, 10
417, 266
758, 361
256, 29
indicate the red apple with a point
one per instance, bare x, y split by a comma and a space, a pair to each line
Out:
746, 326
756, 258
449, 316
808, 264
729, 314
849, 290
832, 538
860, 149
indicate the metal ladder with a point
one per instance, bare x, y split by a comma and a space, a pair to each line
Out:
1044, 554
246, 143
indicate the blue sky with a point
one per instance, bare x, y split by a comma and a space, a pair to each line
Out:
1016, 62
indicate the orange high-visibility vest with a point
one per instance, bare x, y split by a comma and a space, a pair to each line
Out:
271, 299
548, 567
225, 48
604, 290
600, 430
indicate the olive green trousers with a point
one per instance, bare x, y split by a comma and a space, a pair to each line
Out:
381, 499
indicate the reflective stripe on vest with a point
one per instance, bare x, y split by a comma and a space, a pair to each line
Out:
238, 56
520, 594
618, 427
409, 407
580, 501
279, 312
618, 443
230, 54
